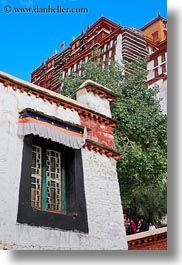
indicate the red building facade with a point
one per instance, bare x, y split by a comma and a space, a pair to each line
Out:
155, 33
108, 40
105, 41
149, 240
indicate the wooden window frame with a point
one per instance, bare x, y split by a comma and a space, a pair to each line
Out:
43, 179
75, 215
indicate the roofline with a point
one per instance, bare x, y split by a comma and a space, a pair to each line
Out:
92, 26
152, 22
146, 234
105, 19
99, 89
51, 96
40, 89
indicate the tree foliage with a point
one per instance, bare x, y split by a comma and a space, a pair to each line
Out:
140, 135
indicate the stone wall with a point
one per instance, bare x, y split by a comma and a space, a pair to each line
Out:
104, 211
102, 189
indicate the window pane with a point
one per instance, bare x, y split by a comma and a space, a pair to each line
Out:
36, 177
52, 164
53, 180
155, 61
163, 57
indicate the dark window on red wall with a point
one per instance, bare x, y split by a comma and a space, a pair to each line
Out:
155, 62
156, 72
164, 68
163, 57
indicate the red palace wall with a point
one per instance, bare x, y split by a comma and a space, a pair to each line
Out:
150, 240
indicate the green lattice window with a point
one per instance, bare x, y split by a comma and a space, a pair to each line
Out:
47, 180
51, 192
36, 177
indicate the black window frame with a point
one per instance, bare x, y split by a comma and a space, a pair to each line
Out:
75, 218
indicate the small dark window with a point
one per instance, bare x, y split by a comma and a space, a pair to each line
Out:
155, 36
115, 42
156, 73
163, 57
95, 32
164, 68
51, 190
164, 24
107, 47
155, 62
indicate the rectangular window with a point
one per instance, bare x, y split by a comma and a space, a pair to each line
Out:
47, 189
110, 53
51, 192
36, 177
53, 181
164, 24
163, 57
164, 68
155, 62
115, 42
46, 180
156, 73
107, 47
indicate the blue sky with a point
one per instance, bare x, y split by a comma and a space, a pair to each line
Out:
28, 38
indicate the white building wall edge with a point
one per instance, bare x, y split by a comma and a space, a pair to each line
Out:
105, 218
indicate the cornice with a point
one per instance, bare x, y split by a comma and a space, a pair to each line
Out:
152, 22
53, 98
102, 149
98, 89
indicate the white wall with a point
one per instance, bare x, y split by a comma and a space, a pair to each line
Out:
162, 84
162, 95
102, 189
118, 53
105, 219
94, 102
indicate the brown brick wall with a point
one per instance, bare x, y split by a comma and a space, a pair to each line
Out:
150, 240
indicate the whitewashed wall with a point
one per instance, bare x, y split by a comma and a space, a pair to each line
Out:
94, 102
118, 55
162, 95
162, 84
105, 219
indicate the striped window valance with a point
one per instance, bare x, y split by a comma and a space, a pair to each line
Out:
57, 131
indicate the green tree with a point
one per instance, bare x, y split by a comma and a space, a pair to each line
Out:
140, 135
